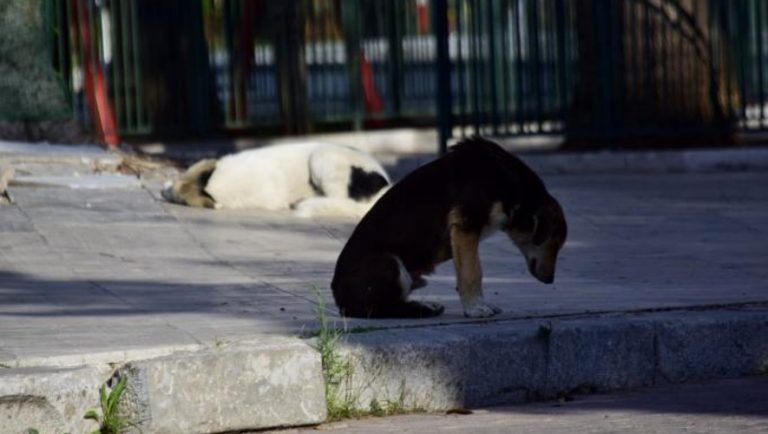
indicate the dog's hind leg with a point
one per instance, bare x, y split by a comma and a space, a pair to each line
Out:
412, 309
403, 309
380, 289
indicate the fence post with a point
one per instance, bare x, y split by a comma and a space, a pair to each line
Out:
395, 13
351, 19
606, 64
443, 73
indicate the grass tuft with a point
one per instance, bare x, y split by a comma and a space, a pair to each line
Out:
110, 421
336, 371
341, 398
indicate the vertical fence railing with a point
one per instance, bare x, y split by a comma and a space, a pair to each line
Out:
443, 65
125, 72
752, 23
608, 71
593, 70
510, 63
81, 49
261, 65
113, 42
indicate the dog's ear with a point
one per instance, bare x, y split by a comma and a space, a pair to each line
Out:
522, 220
541, 230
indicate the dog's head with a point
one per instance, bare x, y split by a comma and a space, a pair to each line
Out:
539, 233
189, 189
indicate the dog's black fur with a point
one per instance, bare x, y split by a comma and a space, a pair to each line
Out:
364, 184
410, 226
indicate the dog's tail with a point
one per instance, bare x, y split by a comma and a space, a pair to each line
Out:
189, 189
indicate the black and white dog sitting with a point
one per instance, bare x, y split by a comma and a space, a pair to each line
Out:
311, 178
440, 212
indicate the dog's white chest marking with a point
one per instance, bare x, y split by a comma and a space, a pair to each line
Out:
404, 278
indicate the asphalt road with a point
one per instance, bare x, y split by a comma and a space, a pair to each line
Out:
730, 406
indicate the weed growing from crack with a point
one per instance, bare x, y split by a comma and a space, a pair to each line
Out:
336, 371
110, 421
341, 398
390, 407
544, 332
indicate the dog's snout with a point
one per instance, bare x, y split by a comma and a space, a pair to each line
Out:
543, 275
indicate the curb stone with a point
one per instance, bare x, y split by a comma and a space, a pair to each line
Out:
251, 386
277, 382
513, 362
414, 368
268, 383
50, 400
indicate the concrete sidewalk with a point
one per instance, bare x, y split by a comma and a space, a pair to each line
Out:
663, 279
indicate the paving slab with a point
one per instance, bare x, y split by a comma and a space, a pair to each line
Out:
51, 152
102, 277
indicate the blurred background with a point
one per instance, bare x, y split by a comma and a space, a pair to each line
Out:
581, 73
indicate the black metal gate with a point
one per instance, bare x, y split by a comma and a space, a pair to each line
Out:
597, 71
603, 72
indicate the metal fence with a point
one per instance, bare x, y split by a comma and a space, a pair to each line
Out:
176, 67
511, 65
604, 71
593, 70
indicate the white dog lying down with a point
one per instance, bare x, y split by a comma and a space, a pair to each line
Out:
313, 179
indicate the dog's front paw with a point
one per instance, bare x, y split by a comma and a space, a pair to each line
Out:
480, 309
